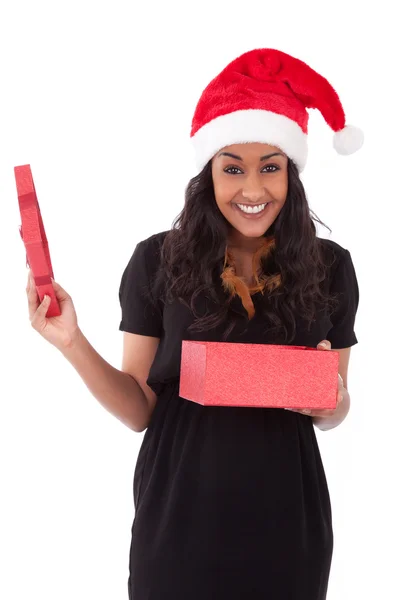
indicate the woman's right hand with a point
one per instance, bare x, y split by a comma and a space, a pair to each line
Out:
60, 331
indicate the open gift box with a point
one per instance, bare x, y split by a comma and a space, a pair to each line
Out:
258, 375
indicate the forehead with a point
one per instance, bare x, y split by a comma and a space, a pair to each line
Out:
252, 151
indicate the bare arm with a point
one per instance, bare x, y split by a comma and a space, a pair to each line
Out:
118, 392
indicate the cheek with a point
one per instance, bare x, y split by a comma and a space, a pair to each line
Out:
225, 192
278, 187
283, 187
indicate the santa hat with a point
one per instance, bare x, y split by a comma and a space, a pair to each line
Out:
262, 96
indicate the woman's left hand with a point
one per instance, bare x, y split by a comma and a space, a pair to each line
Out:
324, 345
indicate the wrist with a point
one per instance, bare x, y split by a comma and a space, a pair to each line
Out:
74, 342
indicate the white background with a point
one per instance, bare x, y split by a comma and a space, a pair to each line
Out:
98, 98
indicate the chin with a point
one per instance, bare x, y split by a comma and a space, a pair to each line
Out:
251, 228
256, 231
249, 232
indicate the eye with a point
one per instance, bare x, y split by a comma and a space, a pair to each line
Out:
230, 169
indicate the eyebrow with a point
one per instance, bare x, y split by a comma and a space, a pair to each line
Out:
260, 160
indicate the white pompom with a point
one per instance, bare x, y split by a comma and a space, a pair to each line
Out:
349, 140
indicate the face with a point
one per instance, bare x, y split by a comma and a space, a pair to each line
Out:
245, 175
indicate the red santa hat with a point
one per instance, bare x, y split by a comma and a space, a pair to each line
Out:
262, 96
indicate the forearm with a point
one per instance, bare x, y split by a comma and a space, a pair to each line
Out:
116, 391
326, 423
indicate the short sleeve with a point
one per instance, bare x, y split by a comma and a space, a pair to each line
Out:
345, 286
140, 313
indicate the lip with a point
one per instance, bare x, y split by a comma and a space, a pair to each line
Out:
254, 215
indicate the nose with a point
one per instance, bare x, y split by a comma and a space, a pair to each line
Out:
253, 190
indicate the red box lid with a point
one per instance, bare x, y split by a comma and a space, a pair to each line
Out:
34, 237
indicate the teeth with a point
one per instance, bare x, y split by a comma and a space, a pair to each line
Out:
250, 210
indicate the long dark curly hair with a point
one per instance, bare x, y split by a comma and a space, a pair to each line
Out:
193, 253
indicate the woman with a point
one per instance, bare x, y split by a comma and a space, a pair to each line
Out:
230, 502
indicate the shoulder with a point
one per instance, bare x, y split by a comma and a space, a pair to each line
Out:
341, 272
332, 248
333, 254
151, 247
155, 240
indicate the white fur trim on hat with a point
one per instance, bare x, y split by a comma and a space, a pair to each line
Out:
251, 125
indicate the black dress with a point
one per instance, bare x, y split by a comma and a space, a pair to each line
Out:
231, 503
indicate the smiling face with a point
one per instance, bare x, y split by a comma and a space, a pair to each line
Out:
250, 176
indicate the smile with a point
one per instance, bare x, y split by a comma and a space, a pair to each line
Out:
251, 211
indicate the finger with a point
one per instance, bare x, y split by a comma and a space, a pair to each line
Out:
30, 281
33, 298
304, 411
322, 413
324, 345
40, 314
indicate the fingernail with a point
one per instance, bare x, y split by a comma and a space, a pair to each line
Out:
323, 344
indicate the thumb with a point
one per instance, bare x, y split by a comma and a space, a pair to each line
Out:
59, 291
324, 345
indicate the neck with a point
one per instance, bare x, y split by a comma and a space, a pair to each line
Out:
245, 244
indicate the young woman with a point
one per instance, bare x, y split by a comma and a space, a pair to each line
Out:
230, 502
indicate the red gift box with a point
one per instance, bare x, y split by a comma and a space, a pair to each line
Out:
34, 238
258, 375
